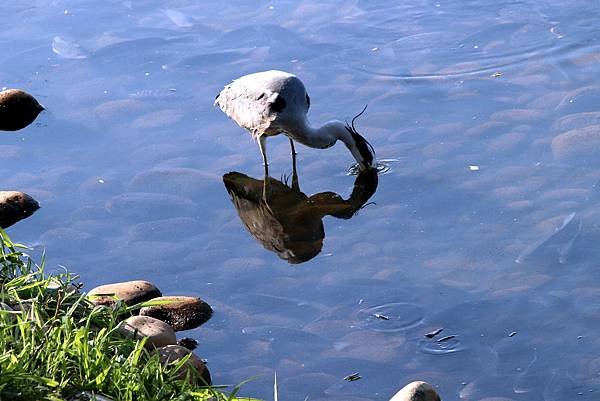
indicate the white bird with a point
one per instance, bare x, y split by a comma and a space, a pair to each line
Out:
416, 391
269, 103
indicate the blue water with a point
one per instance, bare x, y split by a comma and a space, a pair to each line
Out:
485, 224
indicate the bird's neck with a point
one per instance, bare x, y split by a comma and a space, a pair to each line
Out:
320, 137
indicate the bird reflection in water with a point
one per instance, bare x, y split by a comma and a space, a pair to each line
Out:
286, 221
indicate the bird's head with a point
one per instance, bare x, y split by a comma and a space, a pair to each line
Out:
360, 148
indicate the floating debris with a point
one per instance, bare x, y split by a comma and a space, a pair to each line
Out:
353, 377
497, 74
473, 167
69, 50
450, 337
378, 316
434, 333
512, 334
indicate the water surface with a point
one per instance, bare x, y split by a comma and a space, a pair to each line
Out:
484, 225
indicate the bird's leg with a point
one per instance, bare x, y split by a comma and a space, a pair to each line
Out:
262, 144
295, 184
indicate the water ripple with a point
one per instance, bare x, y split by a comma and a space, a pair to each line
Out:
392, 317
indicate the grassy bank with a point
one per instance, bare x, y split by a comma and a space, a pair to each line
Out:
55, 345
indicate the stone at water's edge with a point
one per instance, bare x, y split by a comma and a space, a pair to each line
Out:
18, 109
131, 292
158, 332
182, 313
197, 370
416, 391
15, 206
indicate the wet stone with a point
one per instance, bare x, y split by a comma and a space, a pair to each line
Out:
416, 391
158, 332
140, 206
182, 313
18, 109
487, 128
15, 206
63, 239
115, 111
180, 181
131, 292
577, 120
195, 370
577, 143
518, 115
580, 100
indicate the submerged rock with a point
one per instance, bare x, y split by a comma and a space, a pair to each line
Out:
18, 109
158, 332
577, 143
15, 206
182, 313
416, 391
195, 370
131, 292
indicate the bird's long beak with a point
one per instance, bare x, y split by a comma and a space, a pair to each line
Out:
362, 151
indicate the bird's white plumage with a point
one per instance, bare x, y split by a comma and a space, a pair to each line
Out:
265, 103
273, 102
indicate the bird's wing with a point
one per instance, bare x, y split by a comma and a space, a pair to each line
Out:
251, 108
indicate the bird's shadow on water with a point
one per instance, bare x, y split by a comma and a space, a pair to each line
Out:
284, 219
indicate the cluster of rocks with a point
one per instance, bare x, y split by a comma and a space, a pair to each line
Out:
157, 322
18, 109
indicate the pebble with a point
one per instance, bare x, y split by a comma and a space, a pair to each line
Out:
159, 333
580, 100
195, 370
577, 143
15, 206
182, 313
18, 109
158, 119
416, 391
186, 182
131, 292
518, 115
577, 120
488, 128
142, 206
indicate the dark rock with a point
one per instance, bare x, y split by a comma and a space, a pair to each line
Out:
18, 109
188, 343
182, 313
194, 370
15, 206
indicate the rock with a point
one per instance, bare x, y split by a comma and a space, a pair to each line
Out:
6, 309
580, 100
578, 142
158, 332
195, 370
577, 120
18, 109
131, 292
182, 313
188, 343
141, 206
518, 115
416, 391
180, 181
15, 206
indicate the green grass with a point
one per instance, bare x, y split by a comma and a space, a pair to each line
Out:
55, 344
